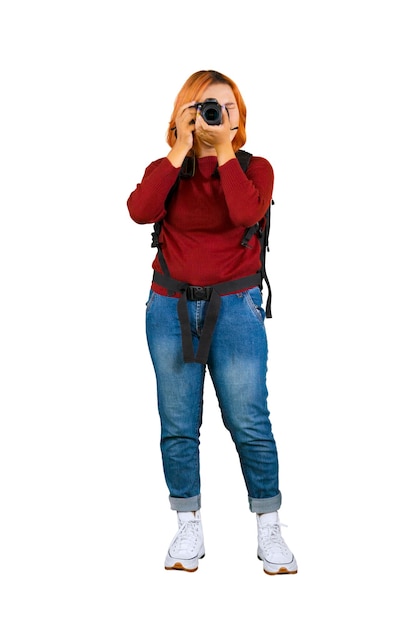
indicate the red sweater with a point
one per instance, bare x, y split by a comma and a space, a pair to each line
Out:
206, 217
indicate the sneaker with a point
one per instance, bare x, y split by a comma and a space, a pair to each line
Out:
188, 544
272, 549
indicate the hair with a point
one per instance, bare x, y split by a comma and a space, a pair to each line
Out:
191, 91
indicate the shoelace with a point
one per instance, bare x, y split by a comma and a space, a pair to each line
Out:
187, 535
272, 538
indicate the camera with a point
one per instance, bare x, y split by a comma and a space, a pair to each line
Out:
211, 111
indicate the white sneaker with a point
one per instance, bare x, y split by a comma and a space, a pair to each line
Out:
188, 544
272, 549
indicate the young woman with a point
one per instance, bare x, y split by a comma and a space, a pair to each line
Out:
205, 310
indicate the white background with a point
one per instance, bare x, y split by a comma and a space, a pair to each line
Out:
87, 90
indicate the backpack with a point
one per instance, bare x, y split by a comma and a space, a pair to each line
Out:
211, 293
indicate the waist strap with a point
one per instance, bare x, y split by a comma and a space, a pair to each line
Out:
211, 293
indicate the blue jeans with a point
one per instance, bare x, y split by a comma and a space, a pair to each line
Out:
237, 365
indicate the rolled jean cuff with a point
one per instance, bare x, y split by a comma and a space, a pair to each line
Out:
265, 505
185, 504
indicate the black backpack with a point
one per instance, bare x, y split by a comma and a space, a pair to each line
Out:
212, 293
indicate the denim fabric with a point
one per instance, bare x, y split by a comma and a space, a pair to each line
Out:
237, 365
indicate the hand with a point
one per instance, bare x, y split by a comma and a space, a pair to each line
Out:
213, 135
184, 130
185, 125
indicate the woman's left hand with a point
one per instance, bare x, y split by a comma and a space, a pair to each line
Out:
214, 135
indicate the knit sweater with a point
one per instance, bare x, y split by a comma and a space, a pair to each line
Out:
206, 217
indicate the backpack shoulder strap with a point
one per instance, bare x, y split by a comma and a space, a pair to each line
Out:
244, 159
264, 237
261, 229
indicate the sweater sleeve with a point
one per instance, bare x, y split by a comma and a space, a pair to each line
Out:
248, 194
146, 204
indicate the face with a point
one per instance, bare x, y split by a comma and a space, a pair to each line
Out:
224, 95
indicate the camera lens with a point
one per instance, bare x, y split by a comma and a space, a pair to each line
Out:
211, 116
211, 112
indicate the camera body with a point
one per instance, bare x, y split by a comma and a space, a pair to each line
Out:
211, 111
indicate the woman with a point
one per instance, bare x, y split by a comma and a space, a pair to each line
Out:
204, 311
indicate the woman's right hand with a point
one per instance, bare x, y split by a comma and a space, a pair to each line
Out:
184, 126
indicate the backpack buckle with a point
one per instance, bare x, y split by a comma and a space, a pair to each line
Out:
198, 293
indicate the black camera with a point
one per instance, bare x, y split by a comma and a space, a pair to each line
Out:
211, 111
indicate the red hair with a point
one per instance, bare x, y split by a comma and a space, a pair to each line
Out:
193, 87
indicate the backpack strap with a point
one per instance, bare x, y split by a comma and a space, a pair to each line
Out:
244, 159
261, 229
187, 171
211, 293
263, 234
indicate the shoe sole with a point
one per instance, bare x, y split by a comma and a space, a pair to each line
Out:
181, 567
282, 570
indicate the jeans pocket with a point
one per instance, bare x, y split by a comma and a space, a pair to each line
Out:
150, 299
253, 298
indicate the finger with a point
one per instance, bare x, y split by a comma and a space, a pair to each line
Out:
185, 121
187, 107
